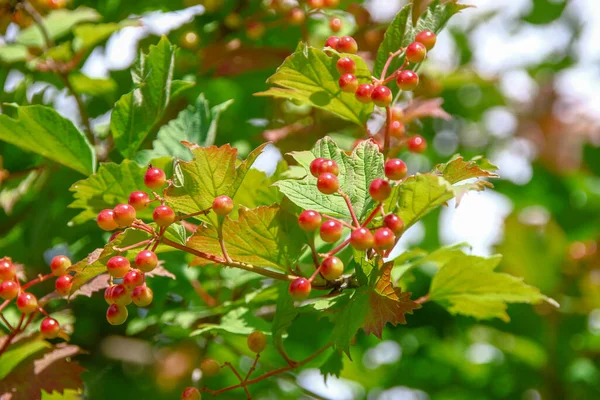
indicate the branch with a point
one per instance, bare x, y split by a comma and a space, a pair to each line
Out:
388, 126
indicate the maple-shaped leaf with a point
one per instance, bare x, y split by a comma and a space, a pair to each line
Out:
357, 171
333, 365
48, 370
468, 285
458, 170
417, 196
262, 236
371, 308
211, 173
387, 304
310, 76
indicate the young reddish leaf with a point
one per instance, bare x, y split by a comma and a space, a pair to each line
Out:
263, 236
458, 169
421, 108
387, 304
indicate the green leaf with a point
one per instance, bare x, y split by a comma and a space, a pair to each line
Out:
93, 86
357, 171
42, 130
310, 76
401, 31
333, 365
68, 394
350, 320
88, 36
112, 184
263, 236
468, 285
239, 321
194, 124
418, 258
417, 196
458, 170
19, 352
137, 112
58, 24
211, 173
13, 53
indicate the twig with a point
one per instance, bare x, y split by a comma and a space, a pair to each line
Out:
350, 208
422, 299
40, 278
388, 126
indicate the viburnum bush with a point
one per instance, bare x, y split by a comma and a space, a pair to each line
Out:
320, 233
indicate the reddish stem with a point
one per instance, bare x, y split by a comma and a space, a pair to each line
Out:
350, 208
388, 62
203, 212
388, 126
39, 279
422, 299
133, 246
347, 225
373, 214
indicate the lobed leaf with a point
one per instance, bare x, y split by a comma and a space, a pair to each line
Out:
458, 170
468, 285
310, 76
42, 130
263, 236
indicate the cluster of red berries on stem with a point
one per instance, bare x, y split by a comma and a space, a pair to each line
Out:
380, 238
129, 283
27, 303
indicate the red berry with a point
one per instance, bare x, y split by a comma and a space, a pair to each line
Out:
296, 16
63, 285
155, 178
384, 239
146, 260
407, 80
363, 93
328, 166
397, 129
417, 144
395, 169
139, 200
119, 295
345, 65
335, 24
50, 328
397, 113
27, 303
427, 38
331, 3
106, 220
309, 220
347, 44
362, 239
332, 42
348, 83
300, 288
191, 393
117, 266
142, 296
314, 3
222, 205
124, 214
415, 52
9, 290
380, 189
381, 96
328, 183
59, 265
133, 279
257, 342
8, 270
163, 216
114, 236
108, 295
116, 314
255, 30
331, 231
332, 268
210, 367
314, 166
394, 222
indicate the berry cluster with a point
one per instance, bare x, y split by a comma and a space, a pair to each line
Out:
132, 281
27, 303
380, 238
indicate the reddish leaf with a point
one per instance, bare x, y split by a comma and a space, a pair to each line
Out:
421, 108
50, 370
387, 304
